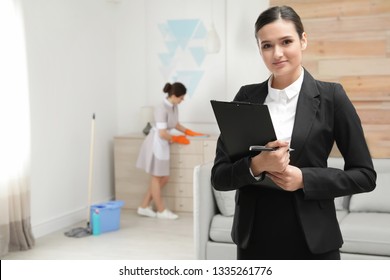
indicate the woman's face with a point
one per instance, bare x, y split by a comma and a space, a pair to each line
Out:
281, 49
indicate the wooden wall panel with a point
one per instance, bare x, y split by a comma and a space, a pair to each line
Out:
354, 67
349, 43
347, 24
374, 115
378, 140
324, 9
388, 43
370, 87
346, 48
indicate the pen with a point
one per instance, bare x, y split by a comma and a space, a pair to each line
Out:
264, 149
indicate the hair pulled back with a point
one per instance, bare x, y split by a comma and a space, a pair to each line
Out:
177, 89
279, 12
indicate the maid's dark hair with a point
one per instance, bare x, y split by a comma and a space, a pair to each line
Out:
177, 89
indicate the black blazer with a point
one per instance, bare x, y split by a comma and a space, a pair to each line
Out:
324, 115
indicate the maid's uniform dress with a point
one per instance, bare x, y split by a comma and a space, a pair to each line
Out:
155, 151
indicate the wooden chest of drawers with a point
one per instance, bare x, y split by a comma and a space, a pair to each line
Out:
131, 183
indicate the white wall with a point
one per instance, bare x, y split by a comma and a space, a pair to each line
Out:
89, 56
71, 53
131, 79
244, 64
166, 37
242, 60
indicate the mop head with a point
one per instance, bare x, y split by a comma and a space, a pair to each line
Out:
79, 232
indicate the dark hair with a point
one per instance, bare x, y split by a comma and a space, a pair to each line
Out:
177, 89
279, 12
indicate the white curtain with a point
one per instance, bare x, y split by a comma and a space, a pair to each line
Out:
15, 226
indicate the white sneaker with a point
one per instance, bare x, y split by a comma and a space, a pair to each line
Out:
167, 214
148, 212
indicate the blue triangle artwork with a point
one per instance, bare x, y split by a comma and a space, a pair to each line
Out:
185, 53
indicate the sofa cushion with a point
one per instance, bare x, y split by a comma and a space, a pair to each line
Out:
366, 233
381, 165
336, 162
341, 214
225, 202
375, 201
220, 251
220, 229
342, 202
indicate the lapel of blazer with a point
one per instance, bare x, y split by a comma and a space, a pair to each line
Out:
307, 107
260, 93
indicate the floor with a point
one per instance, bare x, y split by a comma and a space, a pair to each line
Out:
139, 238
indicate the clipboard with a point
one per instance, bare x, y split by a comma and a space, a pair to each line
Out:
243, 124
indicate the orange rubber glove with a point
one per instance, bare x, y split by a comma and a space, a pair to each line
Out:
193, 133
180, 139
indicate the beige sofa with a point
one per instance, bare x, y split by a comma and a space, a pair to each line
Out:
364, 218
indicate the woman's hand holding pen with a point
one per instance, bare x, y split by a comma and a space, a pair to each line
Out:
277, 168
275, 161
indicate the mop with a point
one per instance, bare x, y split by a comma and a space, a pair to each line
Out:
80, 231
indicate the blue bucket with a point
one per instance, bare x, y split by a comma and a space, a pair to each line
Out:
109, 215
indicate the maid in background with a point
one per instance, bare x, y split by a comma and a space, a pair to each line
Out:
155, 150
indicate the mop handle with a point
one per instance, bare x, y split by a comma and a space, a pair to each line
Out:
90, 177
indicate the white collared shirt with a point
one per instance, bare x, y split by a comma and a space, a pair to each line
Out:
282, 105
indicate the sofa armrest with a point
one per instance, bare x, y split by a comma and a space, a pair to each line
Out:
204, 207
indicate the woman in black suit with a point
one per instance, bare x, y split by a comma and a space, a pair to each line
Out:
297, 221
